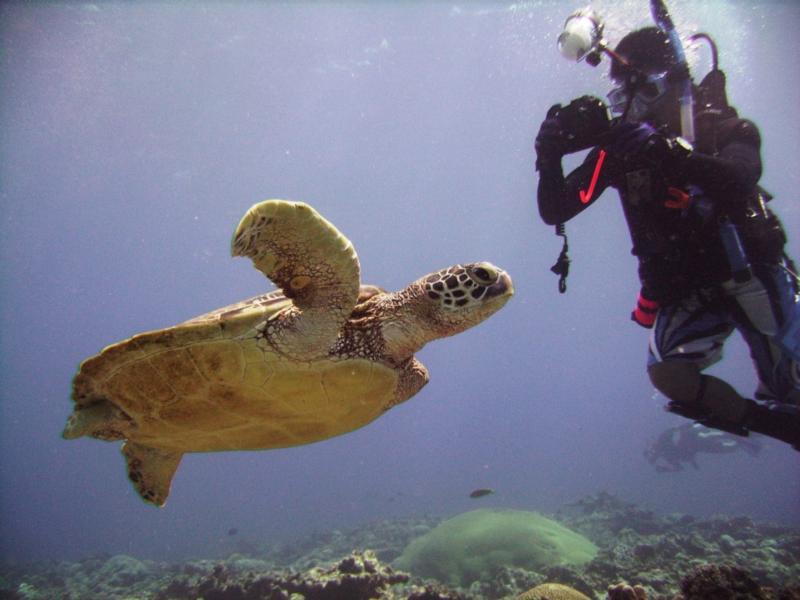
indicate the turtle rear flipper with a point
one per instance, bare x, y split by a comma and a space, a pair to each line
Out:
151, 470
102, 420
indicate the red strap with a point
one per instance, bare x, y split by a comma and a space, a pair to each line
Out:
681, 198
587, 195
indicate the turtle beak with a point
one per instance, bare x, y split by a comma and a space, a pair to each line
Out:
502, 287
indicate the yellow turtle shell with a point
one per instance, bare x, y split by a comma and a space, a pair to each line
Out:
214, 384
322, 356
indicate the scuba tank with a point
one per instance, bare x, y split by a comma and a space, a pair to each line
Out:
714, 97
788, 336
737, 257
759, 230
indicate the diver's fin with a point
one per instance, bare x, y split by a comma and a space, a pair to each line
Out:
151, 470
705, 418
780, 423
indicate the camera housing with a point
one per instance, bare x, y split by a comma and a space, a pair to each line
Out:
583, 121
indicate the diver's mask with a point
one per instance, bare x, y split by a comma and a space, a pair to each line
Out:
638, 94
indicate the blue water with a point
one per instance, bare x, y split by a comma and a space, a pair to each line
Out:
135, 135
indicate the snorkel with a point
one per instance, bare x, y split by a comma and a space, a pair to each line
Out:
665, 24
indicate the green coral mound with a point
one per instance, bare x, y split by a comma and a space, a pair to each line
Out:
472, 546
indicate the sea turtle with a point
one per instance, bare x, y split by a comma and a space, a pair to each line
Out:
320, 357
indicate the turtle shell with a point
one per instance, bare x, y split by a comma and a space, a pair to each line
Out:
214, 383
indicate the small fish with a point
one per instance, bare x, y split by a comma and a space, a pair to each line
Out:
233, 531
481, 492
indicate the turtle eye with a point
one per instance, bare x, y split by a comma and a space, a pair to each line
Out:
483, 274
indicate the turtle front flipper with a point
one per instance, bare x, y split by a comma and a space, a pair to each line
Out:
315, 266
151, 470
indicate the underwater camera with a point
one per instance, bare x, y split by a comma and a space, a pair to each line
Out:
582, 37
584, 121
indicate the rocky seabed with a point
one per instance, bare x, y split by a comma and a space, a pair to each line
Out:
672, 557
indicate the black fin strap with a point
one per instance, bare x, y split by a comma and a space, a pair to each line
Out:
561, 268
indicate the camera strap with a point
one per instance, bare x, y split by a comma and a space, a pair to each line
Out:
561, 268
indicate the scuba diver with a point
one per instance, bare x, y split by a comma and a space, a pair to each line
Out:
682, 444
710, 252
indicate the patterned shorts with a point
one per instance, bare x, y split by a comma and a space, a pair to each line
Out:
695, 329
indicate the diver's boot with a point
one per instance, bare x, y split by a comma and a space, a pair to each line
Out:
781, 423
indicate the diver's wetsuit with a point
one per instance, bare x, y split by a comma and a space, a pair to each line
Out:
683, 266
678, 252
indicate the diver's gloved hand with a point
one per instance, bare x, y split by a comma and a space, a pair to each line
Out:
643, 143
551, 143
632, 140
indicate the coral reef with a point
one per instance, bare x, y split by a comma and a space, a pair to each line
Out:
672, 557
712, 582
623, 591
472, 546
359, 576
387, 539
708, 582
552, 591
658, 551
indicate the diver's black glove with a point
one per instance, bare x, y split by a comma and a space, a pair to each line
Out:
641, 142
551, 143
631, 140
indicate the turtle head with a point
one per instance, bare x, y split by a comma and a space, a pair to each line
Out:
448, 302
464, 295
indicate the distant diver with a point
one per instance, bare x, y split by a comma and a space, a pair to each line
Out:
711, 254
678, 445
481, 492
